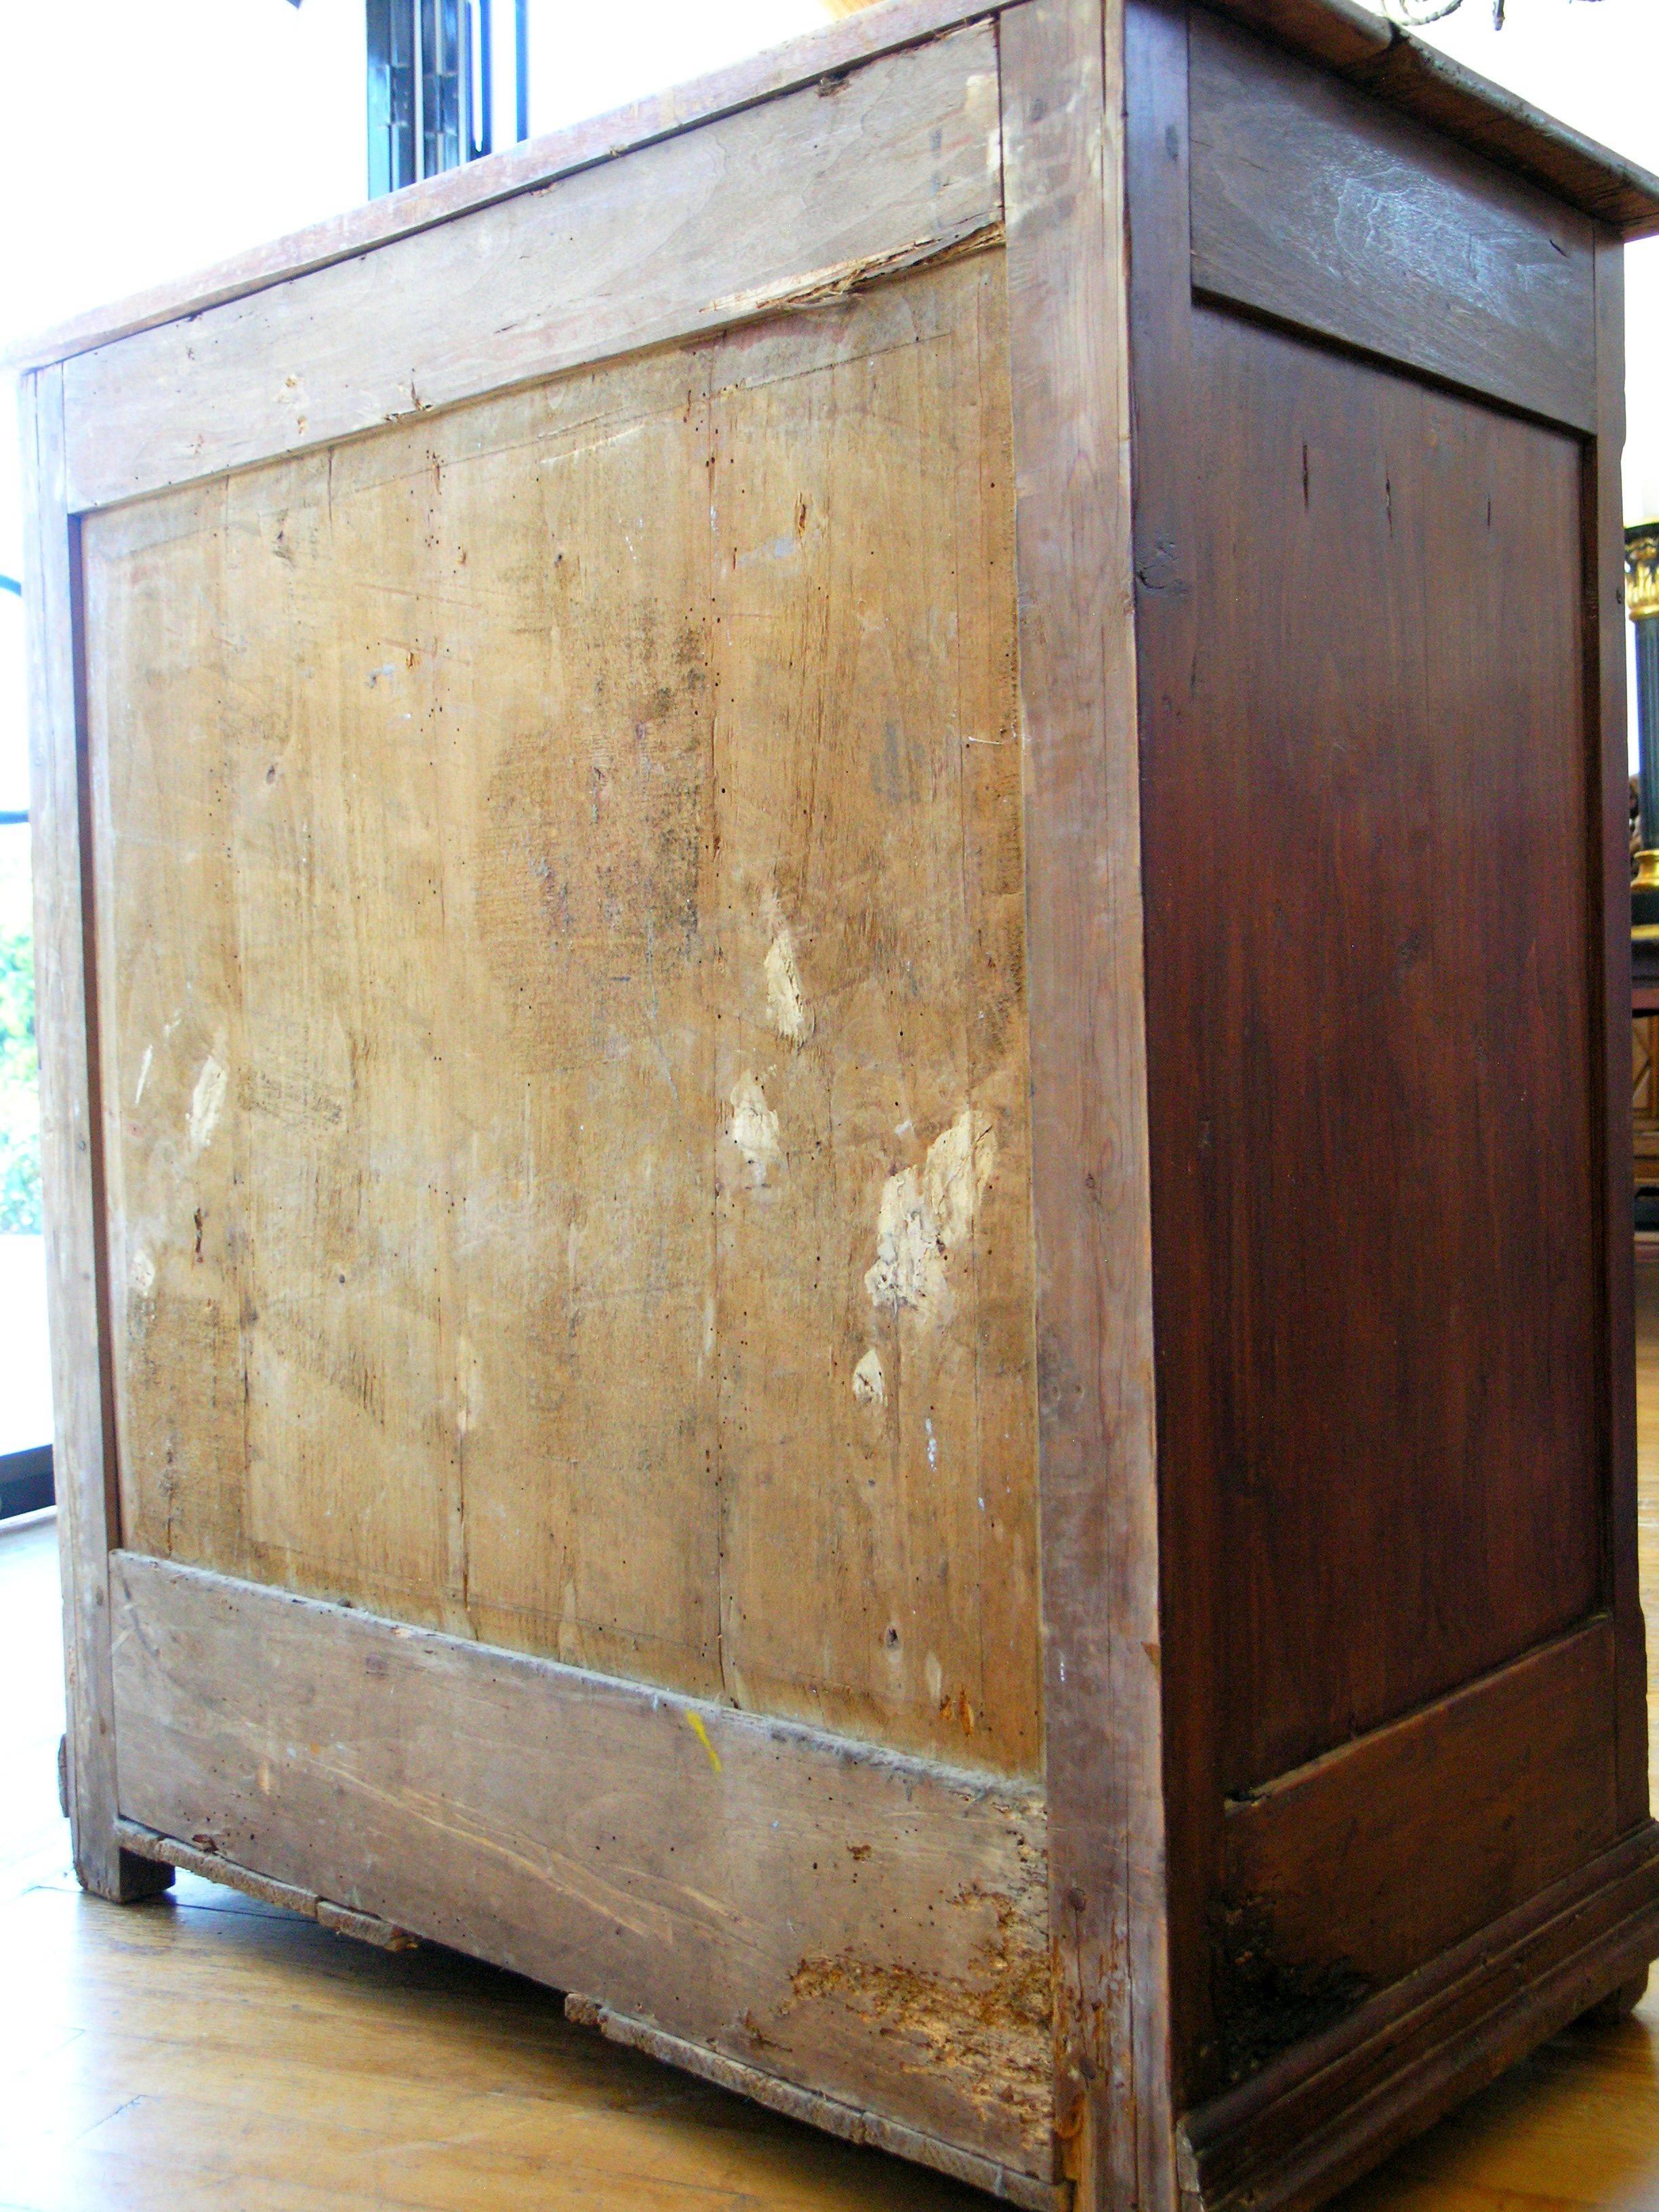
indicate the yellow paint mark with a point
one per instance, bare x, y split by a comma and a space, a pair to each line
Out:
694, 1722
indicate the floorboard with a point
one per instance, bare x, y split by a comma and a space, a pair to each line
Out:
202, 2050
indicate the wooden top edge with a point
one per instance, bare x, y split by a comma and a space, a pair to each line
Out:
840, 45
1387, 62
1340, 35
1512, 131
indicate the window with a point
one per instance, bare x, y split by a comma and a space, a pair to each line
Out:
437, 74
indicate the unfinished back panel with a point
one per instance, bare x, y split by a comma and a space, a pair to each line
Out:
542, 792
559, 930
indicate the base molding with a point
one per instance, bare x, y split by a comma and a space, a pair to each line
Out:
1325, 2112
870, 1925
829, 2114
138, 1842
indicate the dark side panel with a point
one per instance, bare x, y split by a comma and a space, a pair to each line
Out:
1367, 944
1366, 517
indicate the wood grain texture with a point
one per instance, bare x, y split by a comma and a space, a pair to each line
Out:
850, 2124
1490, 120
1401, 680
801, 196
872, 1286
1469, 1807
1062, 62
560, 888
1318, 206
1404, 1460
69, 1161
1340, 34
1157, 175
868, 1926
340, 1919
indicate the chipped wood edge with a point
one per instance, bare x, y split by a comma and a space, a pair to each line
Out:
148, 1844
500, 1861
838, 47
845, 280
829, 2114
1063, 152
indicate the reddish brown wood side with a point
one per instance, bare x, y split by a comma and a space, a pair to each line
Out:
1464, 273
1386, 1306
1468, 1808
1369, 866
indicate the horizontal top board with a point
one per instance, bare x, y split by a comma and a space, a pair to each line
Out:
797, 201
1340, 35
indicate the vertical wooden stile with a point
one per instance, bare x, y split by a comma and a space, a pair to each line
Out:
1063, 157
69, 1140
1156, 163
1606, 721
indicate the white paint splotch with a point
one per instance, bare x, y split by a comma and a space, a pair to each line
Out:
786, 1004
207, 1104
753, 1127
869, 1384
926, 1216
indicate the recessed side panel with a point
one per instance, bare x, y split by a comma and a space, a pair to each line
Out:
1368, 870
1369, 886
560, 939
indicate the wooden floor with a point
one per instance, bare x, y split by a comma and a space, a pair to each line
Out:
202, 2050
